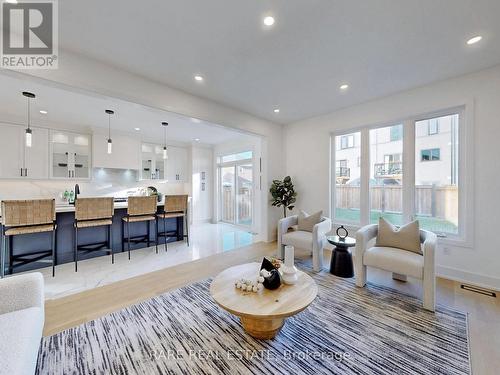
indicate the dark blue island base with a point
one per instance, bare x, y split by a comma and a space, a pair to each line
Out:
28, 243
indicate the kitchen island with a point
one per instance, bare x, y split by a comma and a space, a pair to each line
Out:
65, 215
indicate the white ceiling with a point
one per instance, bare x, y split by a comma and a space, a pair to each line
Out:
379, 47
73, 110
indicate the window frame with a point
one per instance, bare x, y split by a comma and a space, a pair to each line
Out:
465, 183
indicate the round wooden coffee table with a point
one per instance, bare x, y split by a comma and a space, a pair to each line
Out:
262, 314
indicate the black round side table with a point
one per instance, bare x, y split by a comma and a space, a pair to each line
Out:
341, 263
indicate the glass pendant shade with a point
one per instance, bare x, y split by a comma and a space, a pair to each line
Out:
29, 137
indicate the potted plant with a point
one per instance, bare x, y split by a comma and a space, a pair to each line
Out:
283, 194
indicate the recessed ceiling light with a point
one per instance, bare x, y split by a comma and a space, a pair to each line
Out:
43, 112
137, 129
474, 40
277, 110
198, 78
11, 1
197, 139
269, 21
345, 86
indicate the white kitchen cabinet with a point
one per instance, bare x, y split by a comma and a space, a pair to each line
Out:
19, 161
126, 152
70, 155
177, 164
154, 167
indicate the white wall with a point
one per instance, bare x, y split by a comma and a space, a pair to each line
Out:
80, 72
307, 161
202, 163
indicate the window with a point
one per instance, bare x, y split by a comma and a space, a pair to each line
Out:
436, 188
431, 154
396, 133
235, 157
386, 176
397, 183
347, 179
433, 126
347, 141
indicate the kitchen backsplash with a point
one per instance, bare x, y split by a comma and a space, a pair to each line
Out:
105, 182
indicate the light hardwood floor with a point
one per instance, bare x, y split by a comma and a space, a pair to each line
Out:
483, 312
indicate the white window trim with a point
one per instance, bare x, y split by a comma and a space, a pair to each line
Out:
465, 236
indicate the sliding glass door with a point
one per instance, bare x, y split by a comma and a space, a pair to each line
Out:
236, 188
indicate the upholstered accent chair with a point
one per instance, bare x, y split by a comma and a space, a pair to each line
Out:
21, 322
313, 241
401, 263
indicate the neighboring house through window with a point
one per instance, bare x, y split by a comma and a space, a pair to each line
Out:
396, 133
433, 127
347, 141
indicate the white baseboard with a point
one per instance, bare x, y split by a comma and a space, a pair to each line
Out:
466, 277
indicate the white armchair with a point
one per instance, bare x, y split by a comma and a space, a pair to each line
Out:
314, 242
401, 263
21, 322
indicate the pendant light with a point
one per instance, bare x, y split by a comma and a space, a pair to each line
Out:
110, 142
165, 124
29, 134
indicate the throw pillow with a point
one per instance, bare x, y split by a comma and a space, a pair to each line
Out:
406, 237
307, 222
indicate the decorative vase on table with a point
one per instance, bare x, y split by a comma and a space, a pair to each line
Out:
289, 271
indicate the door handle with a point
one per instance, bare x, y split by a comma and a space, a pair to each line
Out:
25, 172
21, 172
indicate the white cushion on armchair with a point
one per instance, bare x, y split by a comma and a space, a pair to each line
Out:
313, 241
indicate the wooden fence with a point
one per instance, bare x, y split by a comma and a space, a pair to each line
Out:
430, 200
243, 200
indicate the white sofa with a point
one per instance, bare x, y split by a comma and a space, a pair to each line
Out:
314, 242
21, 323
401, 263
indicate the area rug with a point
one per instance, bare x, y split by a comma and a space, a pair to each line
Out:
346, 330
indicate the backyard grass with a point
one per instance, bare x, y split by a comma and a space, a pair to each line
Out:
429, 223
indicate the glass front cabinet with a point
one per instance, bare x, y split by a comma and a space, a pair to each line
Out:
152, 162
70, 155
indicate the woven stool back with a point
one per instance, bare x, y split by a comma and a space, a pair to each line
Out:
94, 208
142, 205
176, 203
28, 212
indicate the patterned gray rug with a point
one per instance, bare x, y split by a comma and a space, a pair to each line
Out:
347, 330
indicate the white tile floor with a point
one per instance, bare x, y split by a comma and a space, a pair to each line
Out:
206, 239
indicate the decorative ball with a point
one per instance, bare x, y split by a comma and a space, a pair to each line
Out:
264, 273
249, 288
260, 279
260, 287
238, 285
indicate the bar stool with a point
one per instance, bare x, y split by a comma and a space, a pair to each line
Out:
140, 209
92, 213
21, 217
176, 206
